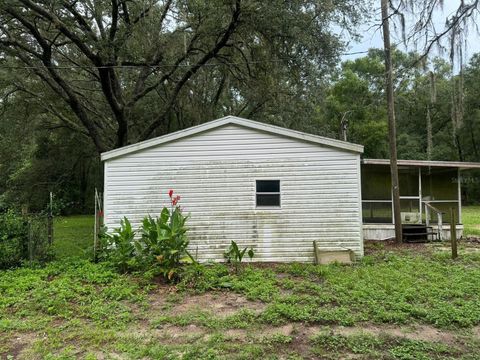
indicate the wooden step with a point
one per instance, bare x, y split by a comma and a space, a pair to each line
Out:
418, 233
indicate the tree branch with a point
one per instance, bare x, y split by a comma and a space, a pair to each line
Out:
193, 70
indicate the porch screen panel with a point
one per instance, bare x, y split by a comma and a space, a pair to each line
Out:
439, 184
408, 181
445, 207
377, 212
376, 183
409, 205
376, 194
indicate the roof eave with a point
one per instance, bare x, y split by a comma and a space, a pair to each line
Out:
425, 163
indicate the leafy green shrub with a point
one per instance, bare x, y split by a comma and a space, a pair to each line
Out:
118, 248
161, 248
383, 347
235, 256
22, 238
405, 349
202, 278
13, 240
360, 343
163, 242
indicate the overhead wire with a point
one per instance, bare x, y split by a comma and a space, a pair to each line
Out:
135, 66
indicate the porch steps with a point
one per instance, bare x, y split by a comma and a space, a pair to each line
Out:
417, 233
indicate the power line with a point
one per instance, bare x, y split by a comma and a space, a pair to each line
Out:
69, 67
136, 66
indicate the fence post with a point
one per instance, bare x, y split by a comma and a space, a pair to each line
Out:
95, 229
50, 221
30, 241
440, 225
453, 233
427, 215
98, 222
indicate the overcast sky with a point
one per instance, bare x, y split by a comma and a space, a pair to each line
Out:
372, 35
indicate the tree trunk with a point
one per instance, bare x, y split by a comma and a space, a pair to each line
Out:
474, 142
429, 133
391, 122
430, 107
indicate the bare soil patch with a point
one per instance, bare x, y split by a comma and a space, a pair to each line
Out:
219, 303
285, 330
476, 331
373, 247
18, 343
158, 298
417, 332
174, 332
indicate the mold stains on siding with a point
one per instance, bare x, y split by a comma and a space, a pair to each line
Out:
215, 174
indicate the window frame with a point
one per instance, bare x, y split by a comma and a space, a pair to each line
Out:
279, 193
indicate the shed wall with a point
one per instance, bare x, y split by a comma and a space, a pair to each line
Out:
215, 174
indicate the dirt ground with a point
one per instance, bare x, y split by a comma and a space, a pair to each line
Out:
179, 319
467, 244
224, 304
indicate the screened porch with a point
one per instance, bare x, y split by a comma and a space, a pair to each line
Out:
428, 192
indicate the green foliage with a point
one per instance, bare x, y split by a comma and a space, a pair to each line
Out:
277, 75
356, 95
164, 242
73, 236
471, 220
13, 239
254, 283
357, 344
43, 160
239, 320
118, 248
420, 350
22, 238
77, 307
383, 289
161, 248
66, 290
201, 278
235, 256
380, 347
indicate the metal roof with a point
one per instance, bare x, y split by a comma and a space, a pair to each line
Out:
237, 121
425, 163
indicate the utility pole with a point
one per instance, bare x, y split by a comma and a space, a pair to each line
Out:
392, 132
344, 125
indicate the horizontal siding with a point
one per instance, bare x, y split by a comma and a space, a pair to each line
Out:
215, 174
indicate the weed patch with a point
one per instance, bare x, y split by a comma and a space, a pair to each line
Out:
326, 344
77, 309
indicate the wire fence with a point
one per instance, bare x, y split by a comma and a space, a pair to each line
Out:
26, 236
40, 237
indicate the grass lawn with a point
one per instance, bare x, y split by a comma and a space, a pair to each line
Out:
407, 303
471, 220
73, 236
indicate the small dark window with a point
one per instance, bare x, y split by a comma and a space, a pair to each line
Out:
268, 193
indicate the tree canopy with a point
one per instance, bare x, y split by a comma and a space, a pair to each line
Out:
81, 77
121, 71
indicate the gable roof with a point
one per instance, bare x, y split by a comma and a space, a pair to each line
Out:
320, 140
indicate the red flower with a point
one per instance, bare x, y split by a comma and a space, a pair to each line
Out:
170, 193
175, 200
100, 213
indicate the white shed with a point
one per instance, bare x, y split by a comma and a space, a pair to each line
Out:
264, 186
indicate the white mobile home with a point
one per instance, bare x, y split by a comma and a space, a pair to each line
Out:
264, 186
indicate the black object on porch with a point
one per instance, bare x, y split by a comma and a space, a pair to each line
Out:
417, 233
